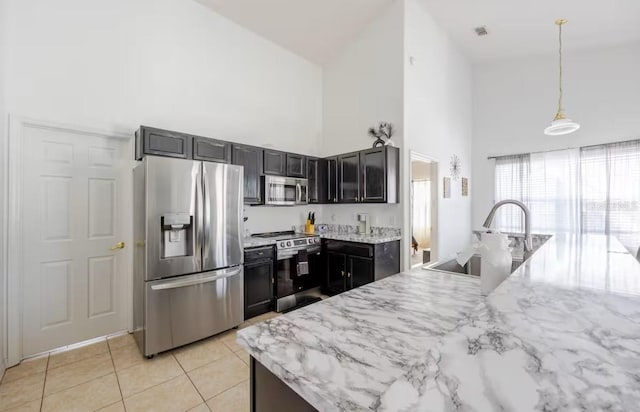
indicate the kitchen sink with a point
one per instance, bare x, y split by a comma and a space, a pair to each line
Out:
471, 268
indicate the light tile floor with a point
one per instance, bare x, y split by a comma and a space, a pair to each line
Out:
112, 375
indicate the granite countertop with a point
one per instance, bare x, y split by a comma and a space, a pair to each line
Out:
561, 333
355, 237
350, 237
256, 242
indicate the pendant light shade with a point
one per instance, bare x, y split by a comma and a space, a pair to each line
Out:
560, 124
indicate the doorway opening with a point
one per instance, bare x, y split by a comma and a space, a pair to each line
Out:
424, 209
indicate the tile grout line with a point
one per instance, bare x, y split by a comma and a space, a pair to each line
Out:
115, 372
76, 385
44, 384
228, 389
78, 360
192, 383
157, 384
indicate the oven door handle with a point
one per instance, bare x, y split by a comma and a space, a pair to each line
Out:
289, 255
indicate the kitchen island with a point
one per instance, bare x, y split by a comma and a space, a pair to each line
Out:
561, 333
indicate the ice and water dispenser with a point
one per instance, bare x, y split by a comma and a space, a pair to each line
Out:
177, 235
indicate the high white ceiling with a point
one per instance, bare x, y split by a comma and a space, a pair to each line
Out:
313, 29
316, 29
520, 28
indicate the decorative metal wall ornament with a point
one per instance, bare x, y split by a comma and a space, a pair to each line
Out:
455, 167
385, 130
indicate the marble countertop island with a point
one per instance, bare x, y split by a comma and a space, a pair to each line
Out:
561, 333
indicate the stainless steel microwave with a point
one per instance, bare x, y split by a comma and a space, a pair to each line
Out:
285, 191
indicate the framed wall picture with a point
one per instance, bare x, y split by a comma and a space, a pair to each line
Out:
446, 187
465, 186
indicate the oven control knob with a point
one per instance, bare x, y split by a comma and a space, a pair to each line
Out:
288, 243
281, 244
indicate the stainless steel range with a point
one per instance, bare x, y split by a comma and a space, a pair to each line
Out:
299, 269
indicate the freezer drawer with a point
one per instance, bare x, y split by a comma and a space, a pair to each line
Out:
189, 308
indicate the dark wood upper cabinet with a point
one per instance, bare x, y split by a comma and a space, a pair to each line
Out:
332, 180
367, 176
152, 141
349, 178
275, 162
251, 158
296, 165
317, 175
373, 175
211, 150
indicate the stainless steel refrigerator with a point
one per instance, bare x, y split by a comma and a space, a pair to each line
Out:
188, 274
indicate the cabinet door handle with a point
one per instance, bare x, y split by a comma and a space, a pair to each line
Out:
273, 281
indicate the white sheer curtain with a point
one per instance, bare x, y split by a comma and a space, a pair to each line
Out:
547, 183
512, 182
611, 190
422, 212
555, 188
593, 189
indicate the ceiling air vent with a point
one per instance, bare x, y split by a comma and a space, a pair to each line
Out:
481, 31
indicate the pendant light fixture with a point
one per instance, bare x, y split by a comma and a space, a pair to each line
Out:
560, 124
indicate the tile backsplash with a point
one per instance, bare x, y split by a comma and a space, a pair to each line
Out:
341, 218
352, 229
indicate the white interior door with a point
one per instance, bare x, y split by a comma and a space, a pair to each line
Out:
75, 285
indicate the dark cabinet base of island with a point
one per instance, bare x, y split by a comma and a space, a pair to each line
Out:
270, 394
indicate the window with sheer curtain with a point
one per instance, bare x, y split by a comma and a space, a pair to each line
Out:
594, 189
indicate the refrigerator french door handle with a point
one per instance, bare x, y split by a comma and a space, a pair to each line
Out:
199, 217
218, 275
206, 212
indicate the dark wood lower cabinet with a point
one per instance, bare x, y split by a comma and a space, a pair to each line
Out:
351, 264
270, 394
336, 271
359, 271
259, 281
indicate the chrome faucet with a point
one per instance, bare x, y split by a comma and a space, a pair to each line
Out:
528, 244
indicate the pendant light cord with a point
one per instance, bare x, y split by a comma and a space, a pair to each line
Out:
560, 71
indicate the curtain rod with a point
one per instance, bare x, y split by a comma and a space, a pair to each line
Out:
566, 148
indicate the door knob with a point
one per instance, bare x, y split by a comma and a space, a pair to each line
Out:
119, 245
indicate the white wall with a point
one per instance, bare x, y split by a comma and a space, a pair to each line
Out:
172, 64
438, 121
3, 130
362, 86
514, 100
